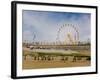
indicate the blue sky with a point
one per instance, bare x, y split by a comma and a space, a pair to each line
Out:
45, 25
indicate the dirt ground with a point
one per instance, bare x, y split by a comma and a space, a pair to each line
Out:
38, 64
53, 64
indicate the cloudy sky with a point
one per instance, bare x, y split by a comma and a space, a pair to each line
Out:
44, 25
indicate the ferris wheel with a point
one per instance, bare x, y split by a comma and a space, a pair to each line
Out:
68, 34
34, 36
